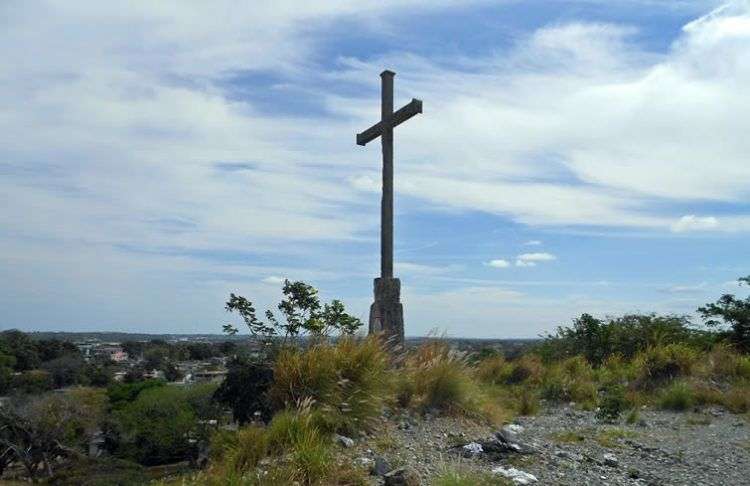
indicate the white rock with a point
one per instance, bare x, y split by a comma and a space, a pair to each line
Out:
473, 448
610, 460
344, 441
513, 428
515, 475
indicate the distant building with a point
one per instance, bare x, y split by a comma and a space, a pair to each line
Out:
113, 353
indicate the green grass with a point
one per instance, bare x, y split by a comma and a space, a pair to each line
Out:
611, 437
569, 437
460, 475
678, 397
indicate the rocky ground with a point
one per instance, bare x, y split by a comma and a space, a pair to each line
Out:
565, 446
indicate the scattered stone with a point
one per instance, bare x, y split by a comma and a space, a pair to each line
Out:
610, 460
380, 467
472, 449
515, 475
344, 441
405, 476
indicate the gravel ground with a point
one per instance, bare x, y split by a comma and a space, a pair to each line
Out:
570, 447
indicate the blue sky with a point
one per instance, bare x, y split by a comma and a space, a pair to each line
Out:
573, 156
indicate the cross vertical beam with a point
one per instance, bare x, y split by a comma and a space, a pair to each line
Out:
386, 205
387, 312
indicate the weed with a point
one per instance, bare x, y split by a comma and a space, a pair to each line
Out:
610, 437
569, 437
679, 397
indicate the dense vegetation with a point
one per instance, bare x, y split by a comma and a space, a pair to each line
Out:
290, 399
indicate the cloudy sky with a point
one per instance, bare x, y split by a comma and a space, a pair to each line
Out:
573, 156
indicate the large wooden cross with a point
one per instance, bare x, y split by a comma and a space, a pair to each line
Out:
386, 313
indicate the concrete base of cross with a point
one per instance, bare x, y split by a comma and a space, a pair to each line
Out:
387, 313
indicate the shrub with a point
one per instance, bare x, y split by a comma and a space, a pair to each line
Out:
658, 364
156, 427
245, 389
442, 380
597, 339
120, 394
679, 397
724, 363
737, 400
528, 368
612, 404
348, 381
84, 471
240, 451
494, 370
570, 380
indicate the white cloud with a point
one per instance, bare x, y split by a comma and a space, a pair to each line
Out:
524, 263
536, 257
499, 263
274, 280
533, 243
695, 223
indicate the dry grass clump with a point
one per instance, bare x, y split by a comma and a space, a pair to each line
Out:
349, 380
570, 380
723, 363
494, 370
527, 369
436, 378
679, 396
295, 438
659, 364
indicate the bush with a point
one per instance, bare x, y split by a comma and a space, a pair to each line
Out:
349, 380
628, 335
612, 404
528, 368
679, 397
494, 370
120, 394
570, 380
245, 389
724, 363
442, 380
737, 400
659, 364
156, 428
85, 471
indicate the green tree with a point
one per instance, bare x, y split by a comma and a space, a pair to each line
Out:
67, 370
245, 389
302, 312
732, 311
22, 348
157, 427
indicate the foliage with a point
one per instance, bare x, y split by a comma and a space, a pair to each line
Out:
494, 370
570, 380
435, 378
612, 403
245, 389
526, 369
734, 312
347, 380
302, 311
461, 475
598, 339
22, 348
678, 396
658, 364
121, 394
67, 370
32, 382
156, 427
33, 431
106, 471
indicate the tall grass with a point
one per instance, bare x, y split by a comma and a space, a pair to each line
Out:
349, 381
438, 379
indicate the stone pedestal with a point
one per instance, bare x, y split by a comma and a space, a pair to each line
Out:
387, 313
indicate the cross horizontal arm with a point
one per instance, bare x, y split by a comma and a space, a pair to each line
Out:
407, 111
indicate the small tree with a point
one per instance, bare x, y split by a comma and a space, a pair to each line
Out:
302, 311
731, 311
